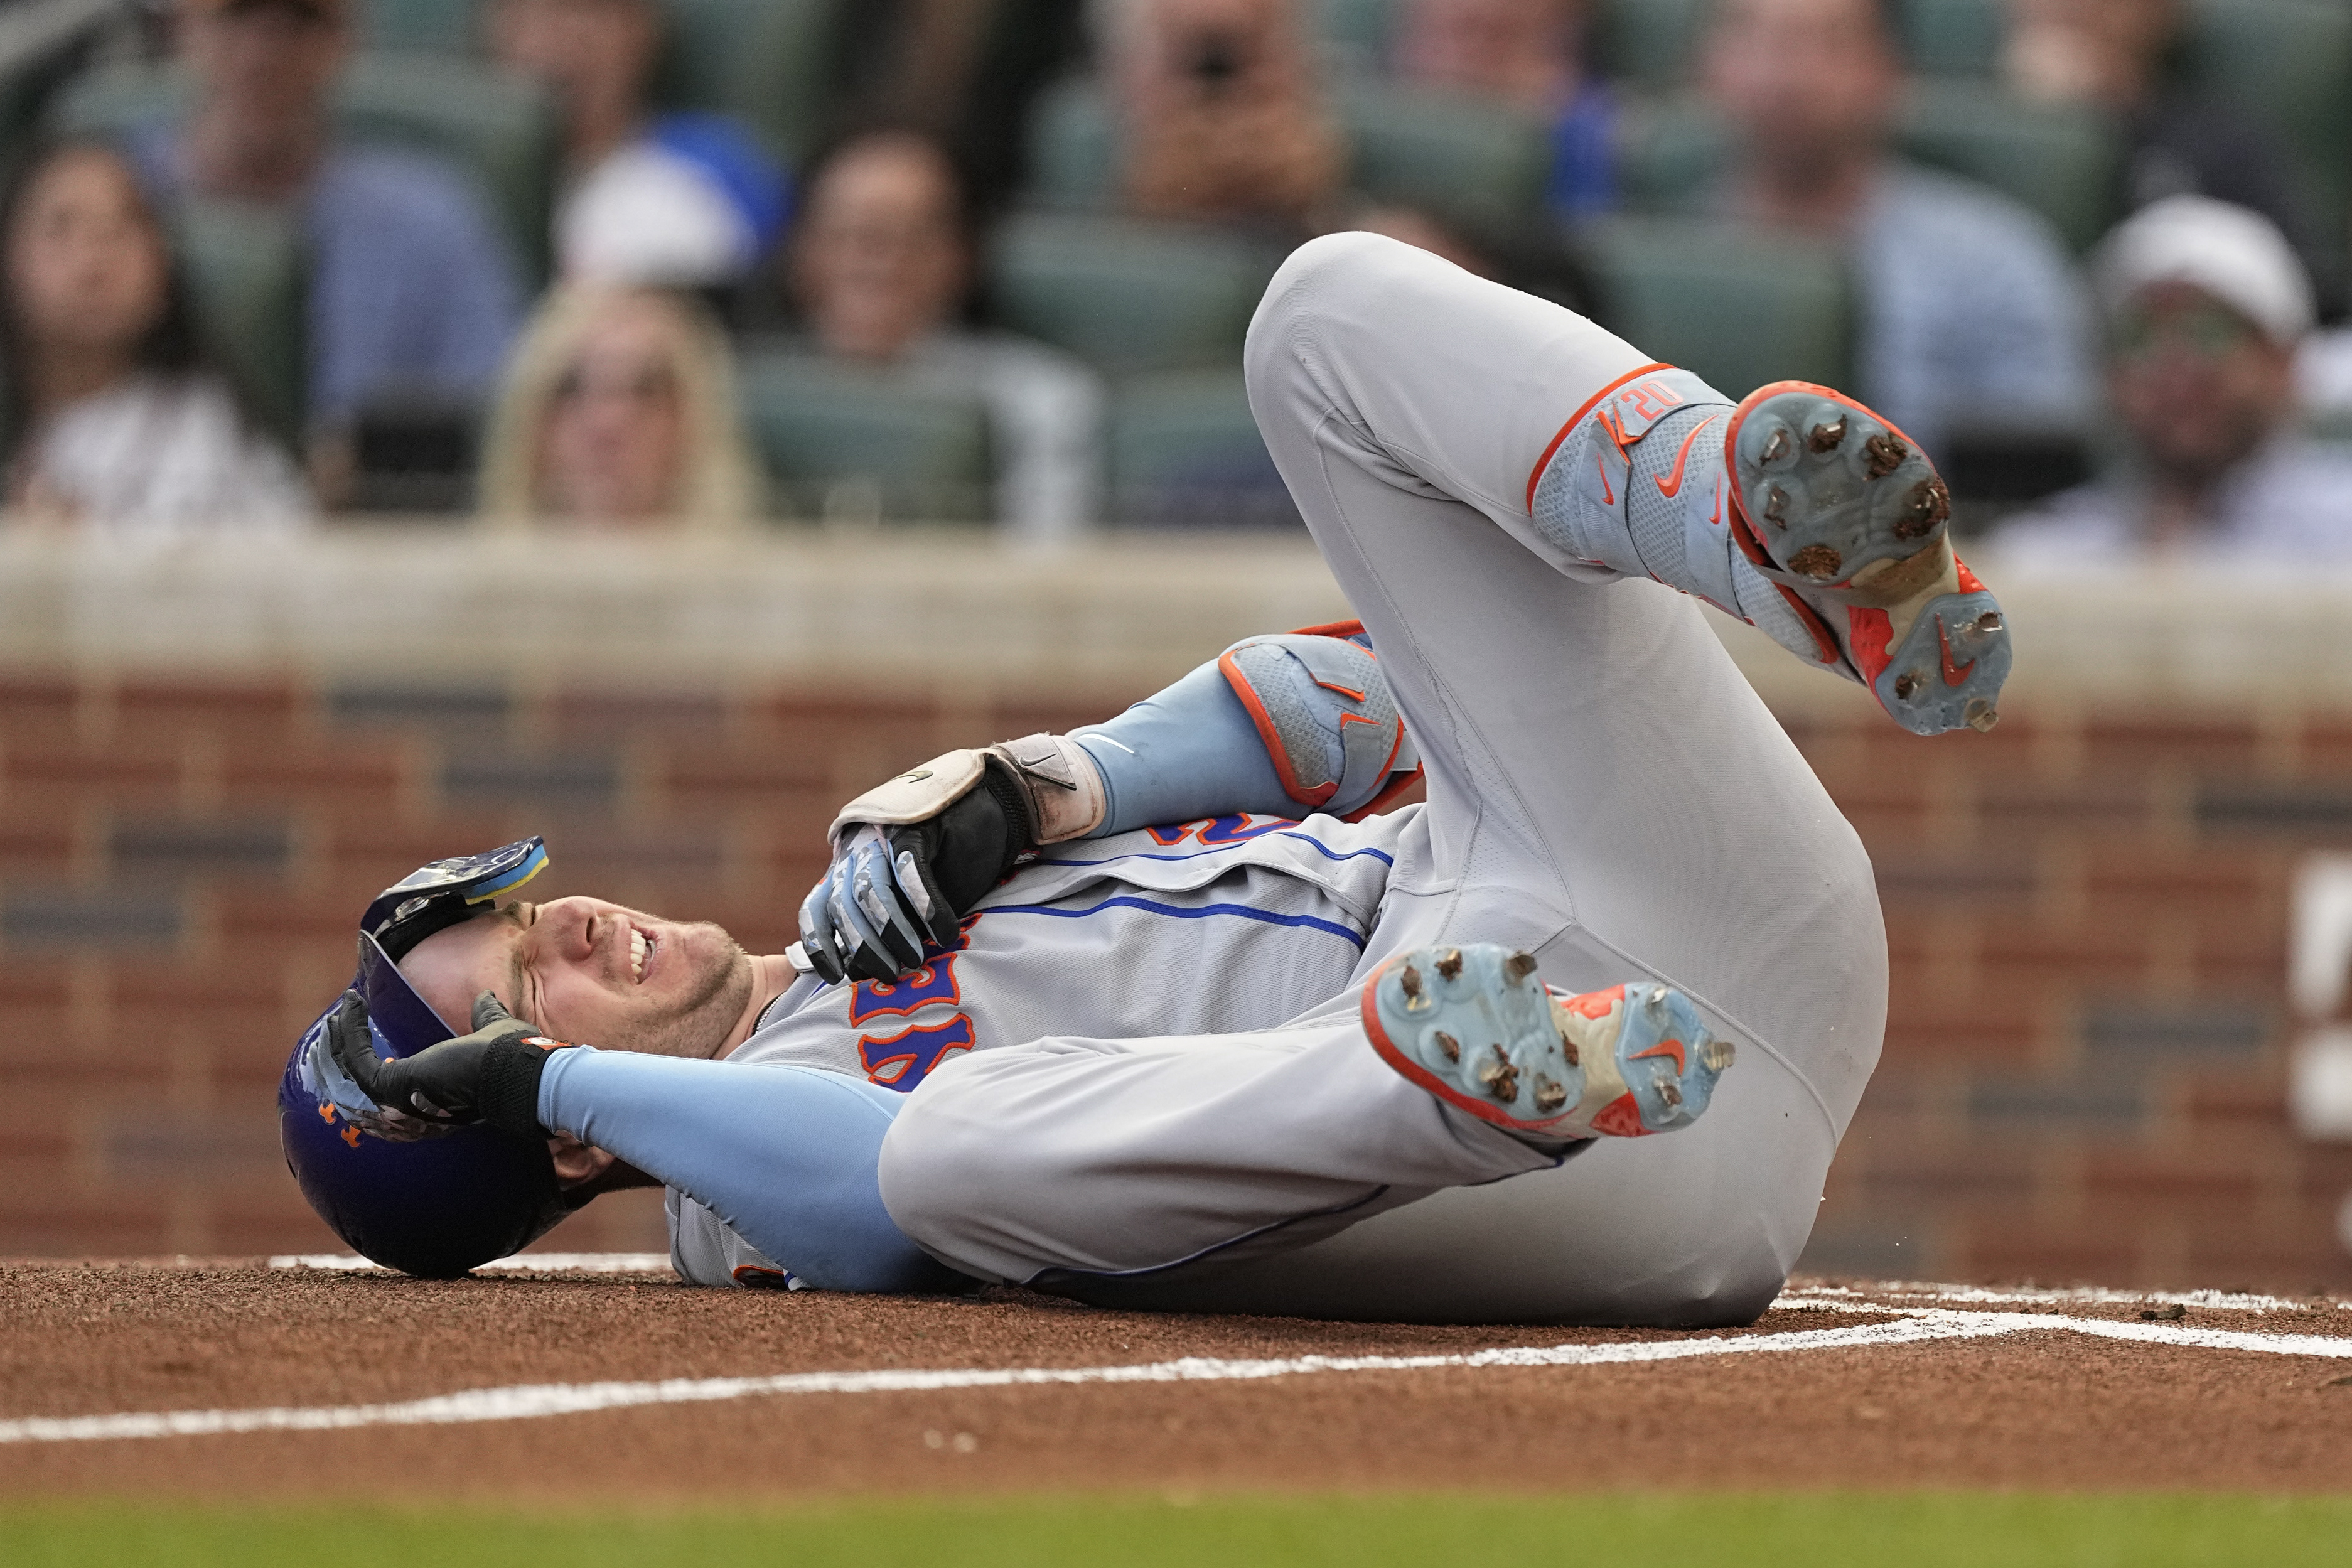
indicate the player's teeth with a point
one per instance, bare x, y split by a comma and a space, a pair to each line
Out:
636, 953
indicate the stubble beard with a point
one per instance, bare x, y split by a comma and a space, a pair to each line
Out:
700, 1023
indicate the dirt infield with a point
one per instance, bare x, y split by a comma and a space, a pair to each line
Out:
236, 1379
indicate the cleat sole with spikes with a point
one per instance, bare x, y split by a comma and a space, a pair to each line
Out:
1476, 1026
1845, 514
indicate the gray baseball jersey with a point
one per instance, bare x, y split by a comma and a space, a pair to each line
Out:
1206, 927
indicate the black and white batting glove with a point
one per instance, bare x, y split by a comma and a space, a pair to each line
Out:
912, 857
489, 1076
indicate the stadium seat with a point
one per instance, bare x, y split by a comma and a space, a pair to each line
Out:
770, 63
1128, 294
2286, 64
1953, 38
443, 25
1735, 306
1648, 43
1184, 453
499, 129
2061, 161
1073, 150
1454, 155
847, 444
245, 267
1356, 30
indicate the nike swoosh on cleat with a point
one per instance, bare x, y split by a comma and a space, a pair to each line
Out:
1665, 1049
1953, 675
1682, 458
1607, 496
1716, 516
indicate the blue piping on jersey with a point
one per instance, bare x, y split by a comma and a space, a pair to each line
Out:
1316, 844
1203, 912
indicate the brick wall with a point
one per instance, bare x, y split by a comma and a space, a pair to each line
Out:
2084, 1073
2086, 1064
181, 865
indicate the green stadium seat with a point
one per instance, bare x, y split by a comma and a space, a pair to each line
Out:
770, 63
1127, 294
1073, 148
443, 25
1456, 155
845, 443
2287, 65
245, 267
1185, 453
1953, 38
1670, 152
500, 130
1452, 154
1737, 306
1649, 44
1358, 29
2060, 161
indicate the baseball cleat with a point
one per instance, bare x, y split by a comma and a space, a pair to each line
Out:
1796, 510
1474, 1026
1847, 517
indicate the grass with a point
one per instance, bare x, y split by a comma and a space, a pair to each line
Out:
1926, 1530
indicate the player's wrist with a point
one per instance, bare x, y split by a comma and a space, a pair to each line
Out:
1059, 785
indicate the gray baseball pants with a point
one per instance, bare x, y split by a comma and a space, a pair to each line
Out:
1604, 789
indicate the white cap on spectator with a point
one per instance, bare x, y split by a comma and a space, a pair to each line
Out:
645, 215
2236, 255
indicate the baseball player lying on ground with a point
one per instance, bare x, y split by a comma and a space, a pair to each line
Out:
1253, 1063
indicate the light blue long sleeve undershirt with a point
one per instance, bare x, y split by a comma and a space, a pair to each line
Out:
1186, 753
785, 1155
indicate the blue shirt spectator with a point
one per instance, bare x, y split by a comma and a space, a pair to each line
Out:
410, 289
1971, 309
410, 292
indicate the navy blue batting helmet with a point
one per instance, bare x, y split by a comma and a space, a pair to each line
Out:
435, 1204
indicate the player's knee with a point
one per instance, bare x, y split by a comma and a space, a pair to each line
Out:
928, 1168
1311, 296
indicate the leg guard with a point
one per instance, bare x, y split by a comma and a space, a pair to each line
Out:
1638, 483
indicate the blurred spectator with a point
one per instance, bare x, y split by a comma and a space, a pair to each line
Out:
2113, 55
1528, 54
686, 199
113, 415
1970, 310
1219, 113
2206, 306
880, 264
967, 72
410, 291
619, 410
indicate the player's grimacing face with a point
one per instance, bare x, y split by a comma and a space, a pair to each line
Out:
592, 972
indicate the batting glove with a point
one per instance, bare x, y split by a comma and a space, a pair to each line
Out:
489, 1076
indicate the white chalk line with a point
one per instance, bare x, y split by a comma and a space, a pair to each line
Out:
533, 1401
2088, 1295
520, 1263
